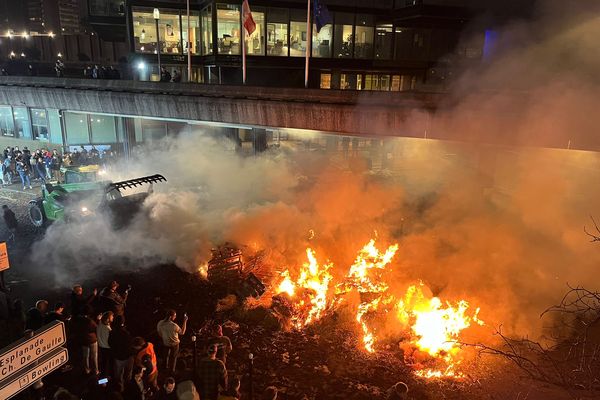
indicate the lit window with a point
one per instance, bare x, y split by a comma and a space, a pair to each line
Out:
7, 126
228, 28
277, 32
325, 81
39, 124
255, 43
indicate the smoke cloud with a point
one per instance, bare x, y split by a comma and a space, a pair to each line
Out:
499, 226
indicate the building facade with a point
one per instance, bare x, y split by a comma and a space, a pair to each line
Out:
375, 45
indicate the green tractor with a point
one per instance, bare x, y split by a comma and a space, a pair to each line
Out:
78, 198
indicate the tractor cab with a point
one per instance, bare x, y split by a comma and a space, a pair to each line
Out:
81, 174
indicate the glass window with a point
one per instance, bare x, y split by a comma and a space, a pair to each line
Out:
107, 7
39, 124
144, 30
384, 82
228, 28
396, 83
207, 33
277, 32
153, 129
363, 43
321, 45
298, 39
169, 30
7, 125
22, 125
54, 125
103, 129
349, 82
76, 126
255, 43
194, 31
383, 41
325, 81
344, 41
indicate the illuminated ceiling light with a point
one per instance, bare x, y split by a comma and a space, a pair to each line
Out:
12, 53
59, 54
51, 34
25, 35
141, 65
22, 54
142, 48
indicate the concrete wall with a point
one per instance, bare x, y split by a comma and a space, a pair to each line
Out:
366, 113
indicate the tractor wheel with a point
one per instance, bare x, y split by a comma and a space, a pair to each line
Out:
36, 214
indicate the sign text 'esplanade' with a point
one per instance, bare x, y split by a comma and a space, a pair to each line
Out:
21, 354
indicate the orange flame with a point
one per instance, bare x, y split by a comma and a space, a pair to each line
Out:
435, 327
313, 282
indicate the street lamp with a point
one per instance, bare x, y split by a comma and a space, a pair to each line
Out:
156, 15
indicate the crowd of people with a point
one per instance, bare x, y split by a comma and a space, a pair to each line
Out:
106, 361
101, 72
43, 164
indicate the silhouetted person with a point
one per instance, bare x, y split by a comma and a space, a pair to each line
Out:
223, 343
79, 302
57, 314
120, 342
211, 374
36, 315
10, 220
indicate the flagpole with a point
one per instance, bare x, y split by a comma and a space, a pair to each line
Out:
308, 43
243, 52
189, 44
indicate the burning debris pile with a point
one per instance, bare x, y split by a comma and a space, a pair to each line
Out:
429, 329
227, 269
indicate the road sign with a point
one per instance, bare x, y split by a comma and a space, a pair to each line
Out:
24, 352
34, 373
4, 264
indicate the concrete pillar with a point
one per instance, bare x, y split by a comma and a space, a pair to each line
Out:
259, 140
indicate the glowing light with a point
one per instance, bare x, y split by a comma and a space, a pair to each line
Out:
59, 54
141, 65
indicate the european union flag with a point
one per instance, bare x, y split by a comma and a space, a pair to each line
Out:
321, 15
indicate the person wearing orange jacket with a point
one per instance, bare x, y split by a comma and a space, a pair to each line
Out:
145, 357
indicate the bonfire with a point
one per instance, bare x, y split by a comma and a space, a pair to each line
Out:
433, 326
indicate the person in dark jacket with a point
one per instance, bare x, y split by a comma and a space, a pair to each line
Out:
112, 301
167, 391
211, 374
135, 390
120, 342
16, 321
10, 220
78, 301
83, 333
36, 315
57, 314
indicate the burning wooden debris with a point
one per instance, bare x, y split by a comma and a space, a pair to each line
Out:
228, 269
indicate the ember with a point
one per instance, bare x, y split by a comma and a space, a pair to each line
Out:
433, 327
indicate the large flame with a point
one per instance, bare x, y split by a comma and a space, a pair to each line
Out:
312, 285
433, 326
